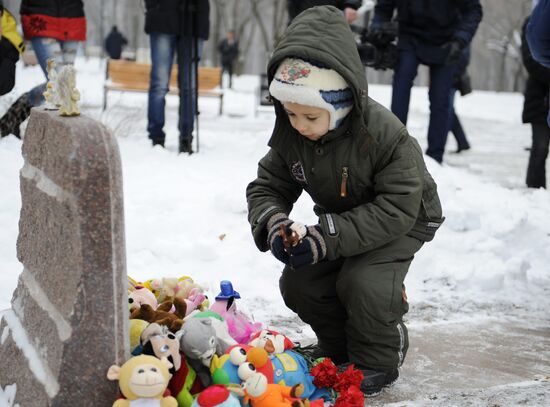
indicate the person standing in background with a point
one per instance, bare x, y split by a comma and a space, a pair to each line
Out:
432, 33
535, 109
176, 29
229, 51
55, 29
462, 84
114, 42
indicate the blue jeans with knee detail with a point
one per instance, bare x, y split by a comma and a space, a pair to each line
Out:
63, 52
164, 47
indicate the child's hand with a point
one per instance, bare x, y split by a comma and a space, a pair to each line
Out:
275, 241
310, 250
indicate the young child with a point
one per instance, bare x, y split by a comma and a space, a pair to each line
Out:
376, 202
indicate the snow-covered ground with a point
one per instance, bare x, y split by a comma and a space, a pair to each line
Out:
483, 284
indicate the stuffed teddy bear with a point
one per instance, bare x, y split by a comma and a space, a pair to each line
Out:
143, 381
162, 314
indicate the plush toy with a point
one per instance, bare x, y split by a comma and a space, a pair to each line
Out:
288, 368
240, 326
162, 314
198, 340
271, 341
171, 287
137, 326
216, 396
141, 295
236, 365
143, 381
261, 394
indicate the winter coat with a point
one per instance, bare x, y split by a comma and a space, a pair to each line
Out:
295, 7
174, 17
60, 19
11, 44
428, 25
367, 177
538, 33
228, 51
114, 43
535, 105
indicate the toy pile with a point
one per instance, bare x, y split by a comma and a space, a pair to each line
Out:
188, 352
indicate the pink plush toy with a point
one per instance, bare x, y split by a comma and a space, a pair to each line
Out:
240, 327
194, 300
141, 295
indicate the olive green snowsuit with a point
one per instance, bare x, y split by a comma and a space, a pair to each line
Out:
377, 204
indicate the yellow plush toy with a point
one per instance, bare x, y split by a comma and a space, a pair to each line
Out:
143, 379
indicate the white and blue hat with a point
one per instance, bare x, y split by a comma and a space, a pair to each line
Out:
302, 82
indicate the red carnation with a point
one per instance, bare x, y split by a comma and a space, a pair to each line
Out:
349, 377
350, 397
325, 373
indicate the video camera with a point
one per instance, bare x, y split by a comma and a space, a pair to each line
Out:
377, 48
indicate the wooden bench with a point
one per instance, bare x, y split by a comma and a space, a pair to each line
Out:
129, 76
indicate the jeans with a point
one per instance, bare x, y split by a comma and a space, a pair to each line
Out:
536, 170
440, 107
456, 127
63, 52
163, 49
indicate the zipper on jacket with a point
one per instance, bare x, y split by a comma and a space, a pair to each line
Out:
344, 184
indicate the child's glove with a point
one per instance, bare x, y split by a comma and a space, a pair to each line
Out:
274, 239
279, 243
312, 249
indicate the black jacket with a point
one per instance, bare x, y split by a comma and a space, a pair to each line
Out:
114, 43
228, 51
53, 8
175, 17
295, 7
427, 25
535, 105
8, 57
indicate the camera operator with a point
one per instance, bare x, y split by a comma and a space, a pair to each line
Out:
349, 7
433, 33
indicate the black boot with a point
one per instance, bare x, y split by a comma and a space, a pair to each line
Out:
186, 146
16, 114
375, 380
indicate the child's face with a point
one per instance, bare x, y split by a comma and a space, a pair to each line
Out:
311, 122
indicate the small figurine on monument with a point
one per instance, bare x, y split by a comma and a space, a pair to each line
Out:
67, 92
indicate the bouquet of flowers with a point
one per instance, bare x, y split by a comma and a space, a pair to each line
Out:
345, 385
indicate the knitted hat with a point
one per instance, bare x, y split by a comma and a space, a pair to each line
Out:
298, 81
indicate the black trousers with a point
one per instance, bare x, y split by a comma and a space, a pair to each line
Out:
355, 305
536, 170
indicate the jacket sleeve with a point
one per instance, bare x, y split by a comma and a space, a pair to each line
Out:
271, 192
471, 14
383, 12
398, 186
536, 70
538, 33
8, 58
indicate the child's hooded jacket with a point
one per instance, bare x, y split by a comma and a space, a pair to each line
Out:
367, 177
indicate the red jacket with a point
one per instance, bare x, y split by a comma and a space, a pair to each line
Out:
60, 19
